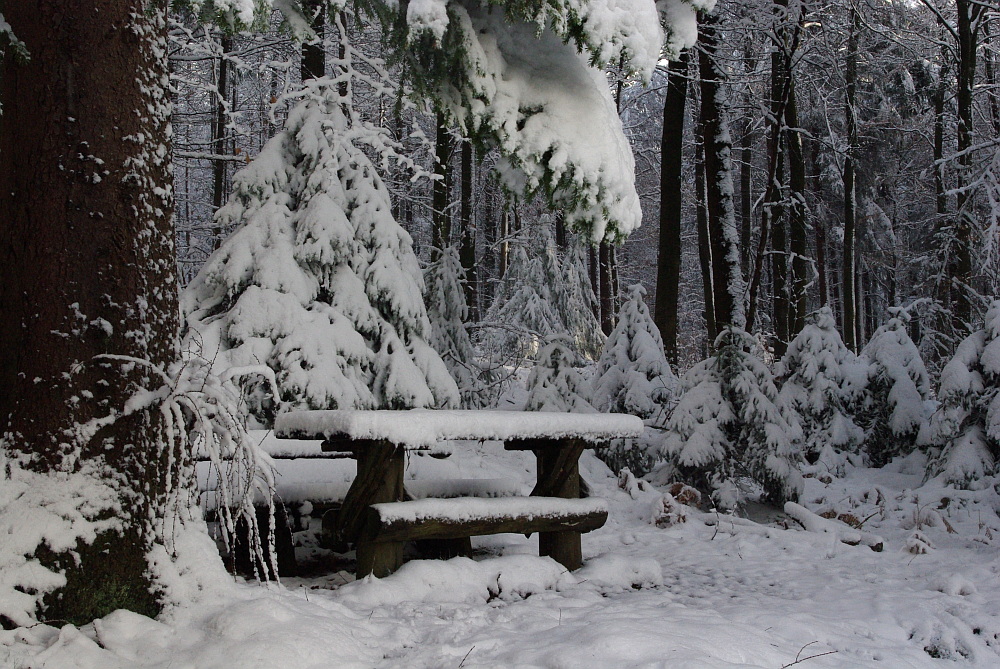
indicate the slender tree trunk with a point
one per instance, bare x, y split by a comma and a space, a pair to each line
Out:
849, 269
219, 144
87, 267
746, 169
313, 63
441, 216
798, 230
968, 13
468, 251
704, 241
727, 278
606, 294
668, 267
595, 282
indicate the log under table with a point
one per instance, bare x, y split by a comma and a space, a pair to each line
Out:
380, 439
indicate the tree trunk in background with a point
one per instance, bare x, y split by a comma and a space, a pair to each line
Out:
313, 63
606, 296
595, 283
469, 228
704, 239
87, 267
668, 266
441, 215
746, 171
727, 279
968, 13
798, 229
219, 144
849, 270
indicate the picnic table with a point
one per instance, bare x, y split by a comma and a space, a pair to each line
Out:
376, 519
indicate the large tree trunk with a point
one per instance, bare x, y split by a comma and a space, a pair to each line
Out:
727, 278
606, 294
668, 267
87, 268
313, 63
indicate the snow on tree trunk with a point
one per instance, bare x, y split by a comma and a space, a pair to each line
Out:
319, 282
633, 375
730, 434
964, 432
821, 379
894, 408
86, 269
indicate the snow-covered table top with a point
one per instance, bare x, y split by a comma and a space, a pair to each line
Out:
423, 428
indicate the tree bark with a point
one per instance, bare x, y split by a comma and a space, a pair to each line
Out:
219, 144
313, 63
606, 295
467, 253
704, 240
441, 216
968, 13
87, 267
798, 231
668, 266
849, 270
727, 278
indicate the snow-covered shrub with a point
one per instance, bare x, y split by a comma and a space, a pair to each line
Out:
633, 375
964, 432
821, 380
893, 407
319, 282
730, 432
447, 311
555, 384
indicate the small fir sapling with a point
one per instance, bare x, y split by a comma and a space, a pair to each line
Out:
319, 282
821, 380
729, 433
521, 315
555, 384
577, 302
447, 311
633, 375
964, 433
893, 407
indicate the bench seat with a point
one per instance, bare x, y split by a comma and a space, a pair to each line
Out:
386, 527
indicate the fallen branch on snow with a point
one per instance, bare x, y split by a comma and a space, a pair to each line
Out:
844, 533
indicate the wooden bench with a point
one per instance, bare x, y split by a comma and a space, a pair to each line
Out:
380, 440
388, 526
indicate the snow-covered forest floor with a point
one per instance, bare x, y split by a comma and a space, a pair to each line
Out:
712, 591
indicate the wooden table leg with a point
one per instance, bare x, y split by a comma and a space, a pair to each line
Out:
379, 479
559, 476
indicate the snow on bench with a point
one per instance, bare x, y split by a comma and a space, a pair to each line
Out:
388, 525
424, 428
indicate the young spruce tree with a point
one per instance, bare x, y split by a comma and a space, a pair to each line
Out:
822, 380
730, 434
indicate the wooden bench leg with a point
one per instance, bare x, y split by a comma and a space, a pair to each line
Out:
380, 559
559, 476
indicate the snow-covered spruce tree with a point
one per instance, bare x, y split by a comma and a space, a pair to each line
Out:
448, 311
729, 432
555, 384
319, 282
576, 302
822, 380
964, 432
633, 375
521, 316
893, 408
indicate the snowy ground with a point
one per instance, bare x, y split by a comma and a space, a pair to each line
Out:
709, 592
